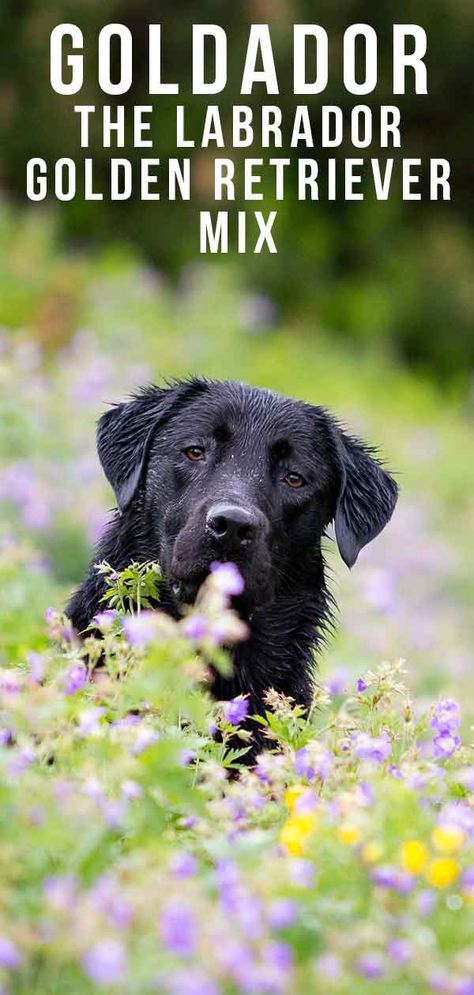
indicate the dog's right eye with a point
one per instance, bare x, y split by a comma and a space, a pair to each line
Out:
294, 480
194, 453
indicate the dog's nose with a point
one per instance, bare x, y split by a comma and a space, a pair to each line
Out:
231, 525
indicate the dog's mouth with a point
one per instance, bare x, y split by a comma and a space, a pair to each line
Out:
185, 591
187, 573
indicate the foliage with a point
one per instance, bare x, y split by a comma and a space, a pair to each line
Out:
135, 587
131, 862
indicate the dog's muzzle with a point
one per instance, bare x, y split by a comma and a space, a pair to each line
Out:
231, 527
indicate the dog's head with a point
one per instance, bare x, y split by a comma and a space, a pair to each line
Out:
224, 471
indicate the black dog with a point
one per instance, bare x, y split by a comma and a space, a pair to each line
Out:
206, 470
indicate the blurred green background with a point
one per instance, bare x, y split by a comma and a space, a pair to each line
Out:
368, 308
397, 274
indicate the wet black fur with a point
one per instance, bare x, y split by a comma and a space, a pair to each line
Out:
253, 438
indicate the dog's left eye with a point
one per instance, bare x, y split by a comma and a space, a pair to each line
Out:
194, 453
294, 480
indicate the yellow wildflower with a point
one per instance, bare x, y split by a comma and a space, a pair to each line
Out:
414, 855
293, 794
291, 839
349, 834
296, 830
448, 838
305, 821
442, 872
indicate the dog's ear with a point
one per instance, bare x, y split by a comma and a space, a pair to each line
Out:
367, 496
125, 434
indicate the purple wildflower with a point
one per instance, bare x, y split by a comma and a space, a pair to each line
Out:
76, 679
125, 722
178, 928
59, 629
21, 760
131, 789
188, 822
10, 957
106, 896
463, 986
417, 781
264, 767
399, 950
387, 876
114, 811
395, 771
303, 764
365, 794
425, 902
5, 737
446, 716
227, 875
105, 620
361, 685
229, 886
467, 880
61, 892
238, 960
227, 578
140, 629
439, 981
445, 744
468, 779
307, 801
236, 710
105, 962
191, 981
461, 814
145, 738
376, 748
301, 872
445, 721
337, 682
89, 721
248, 909
278, 955
330, 966
37, 665
10, 681
93, 789
184, 865
371, 965
282, 913
227, 629
313, 761
195, 628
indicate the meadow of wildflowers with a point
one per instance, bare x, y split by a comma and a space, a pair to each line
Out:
133, 859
